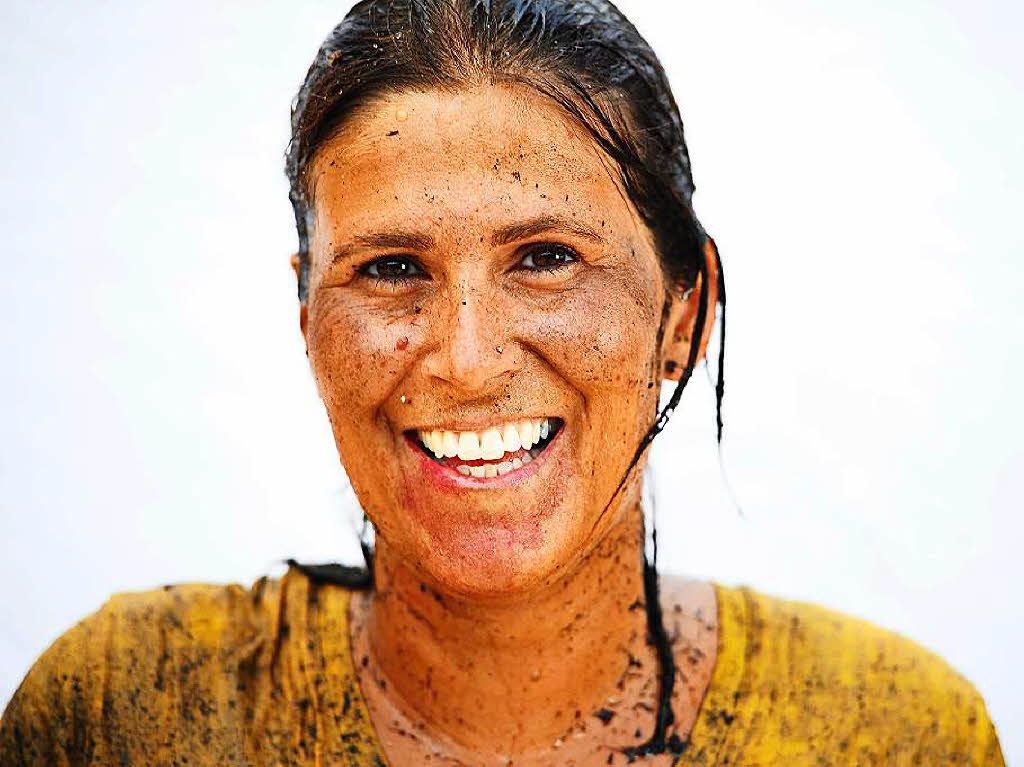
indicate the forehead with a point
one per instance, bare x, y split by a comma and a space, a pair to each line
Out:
459, 161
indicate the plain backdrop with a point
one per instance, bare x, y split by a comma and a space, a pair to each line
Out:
859, 164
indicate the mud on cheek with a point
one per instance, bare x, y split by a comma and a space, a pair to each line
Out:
603, 335
356, 362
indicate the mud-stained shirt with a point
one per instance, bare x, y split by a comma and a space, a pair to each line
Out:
223, 675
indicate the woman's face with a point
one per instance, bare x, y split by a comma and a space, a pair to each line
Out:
478, 280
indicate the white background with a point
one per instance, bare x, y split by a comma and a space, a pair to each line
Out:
859, 164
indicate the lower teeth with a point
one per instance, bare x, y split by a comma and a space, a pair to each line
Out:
498, 469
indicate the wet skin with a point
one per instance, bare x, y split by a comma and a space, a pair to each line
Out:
515, 280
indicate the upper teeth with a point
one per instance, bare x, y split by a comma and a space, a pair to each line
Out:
489, 445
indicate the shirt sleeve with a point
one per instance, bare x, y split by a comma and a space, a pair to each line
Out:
808, 686
145, 678
987, 752
47, 721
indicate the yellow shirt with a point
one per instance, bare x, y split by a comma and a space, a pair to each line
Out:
221, 675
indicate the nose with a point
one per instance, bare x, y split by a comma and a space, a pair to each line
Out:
473, 350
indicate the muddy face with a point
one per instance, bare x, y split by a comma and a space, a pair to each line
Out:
482, 319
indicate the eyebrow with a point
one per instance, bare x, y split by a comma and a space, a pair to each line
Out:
531, 227
389, 239
520, 230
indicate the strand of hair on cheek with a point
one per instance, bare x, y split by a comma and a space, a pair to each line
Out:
662, 417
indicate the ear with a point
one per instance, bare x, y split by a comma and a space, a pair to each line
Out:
683, 318
297, 268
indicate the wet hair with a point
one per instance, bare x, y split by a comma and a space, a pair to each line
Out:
588, 58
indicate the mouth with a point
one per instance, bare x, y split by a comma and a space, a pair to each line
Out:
494, 452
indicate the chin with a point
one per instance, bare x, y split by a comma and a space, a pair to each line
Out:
488, 560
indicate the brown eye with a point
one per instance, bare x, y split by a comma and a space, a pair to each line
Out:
548, 258
393, 269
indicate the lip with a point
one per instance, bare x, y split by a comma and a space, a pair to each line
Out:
446, 478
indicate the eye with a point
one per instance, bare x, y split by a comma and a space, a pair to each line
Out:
393, 269
548, 258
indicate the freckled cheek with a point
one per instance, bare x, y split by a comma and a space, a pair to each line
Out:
603, 345
600, 342
357, 361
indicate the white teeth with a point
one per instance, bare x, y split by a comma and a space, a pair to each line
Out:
469, 446
491, 445
493, 470
526, 434
510, 439
451, 444
436, 444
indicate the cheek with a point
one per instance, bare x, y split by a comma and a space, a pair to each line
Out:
604, 342
357, 358
602, 337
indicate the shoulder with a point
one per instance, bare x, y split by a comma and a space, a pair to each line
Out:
136, 632
841, 680
112, 677
181, 661
827, 645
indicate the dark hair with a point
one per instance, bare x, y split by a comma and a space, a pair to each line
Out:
587, 57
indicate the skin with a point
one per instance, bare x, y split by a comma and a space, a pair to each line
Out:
503, 617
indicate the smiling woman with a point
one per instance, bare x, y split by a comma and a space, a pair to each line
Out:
498, 267
516, 236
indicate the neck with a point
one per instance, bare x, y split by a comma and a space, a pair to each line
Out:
475, 675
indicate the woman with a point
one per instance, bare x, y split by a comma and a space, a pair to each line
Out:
498, 267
